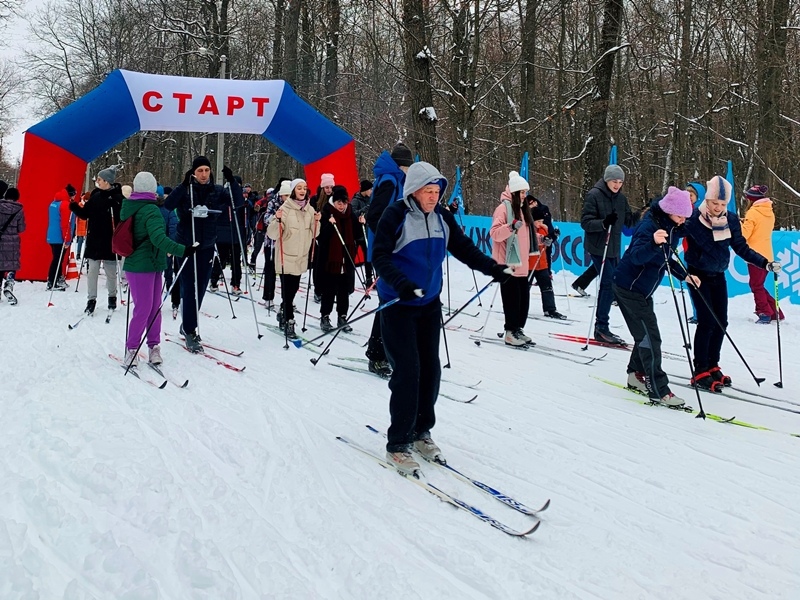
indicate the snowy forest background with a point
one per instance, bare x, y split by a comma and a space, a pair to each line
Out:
681, 86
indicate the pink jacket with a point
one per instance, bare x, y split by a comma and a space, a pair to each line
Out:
501, 231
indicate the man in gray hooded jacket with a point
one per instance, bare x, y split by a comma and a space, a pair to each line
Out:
411, 242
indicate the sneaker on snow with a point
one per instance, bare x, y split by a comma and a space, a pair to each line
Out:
342, 322
61, 282
428, 450
554, 314
764, 320
192, 341
131, 358
236, 290
718, 375
580, 291
513, 339
155, 355
404, 462
325, 323
523, 337
607, 337
638, 381
90, 306
705, 381
59, 286
213, 286
112, 303
289, 328
381, 368
671, 400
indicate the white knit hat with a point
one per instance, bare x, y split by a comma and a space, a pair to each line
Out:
517, 183
286, 188
295, 182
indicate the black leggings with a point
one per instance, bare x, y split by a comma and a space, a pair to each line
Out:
289, 286
56, 269
708, 337
516, 302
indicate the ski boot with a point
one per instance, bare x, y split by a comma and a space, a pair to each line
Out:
580, 291
521, 335
606, 337
670, 400
90, 306
155, 355
289, 329
705, 381
554, 314
637, 381
112, 303
325, 323
131, 358
513, 338
428, 449
342, 322
381, 368
404, 463
764, 320
236, 290
719, 376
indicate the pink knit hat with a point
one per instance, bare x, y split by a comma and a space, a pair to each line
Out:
676, 202
326, 180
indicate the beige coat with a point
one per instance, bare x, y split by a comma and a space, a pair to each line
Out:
299, 230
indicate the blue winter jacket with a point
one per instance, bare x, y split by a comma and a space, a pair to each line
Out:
410, 246
642, 267
387, 188
704, 255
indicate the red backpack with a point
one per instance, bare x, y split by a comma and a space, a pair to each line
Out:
122, 238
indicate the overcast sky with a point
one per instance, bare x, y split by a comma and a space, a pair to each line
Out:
15, 42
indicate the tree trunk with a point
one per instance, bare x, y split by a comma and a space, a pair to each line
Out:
332, 58
598, 146
416, 50
292, 36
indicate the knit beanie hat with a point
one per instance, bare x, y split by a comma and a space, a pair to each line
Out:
756, 192
538, 213
517, 183
144, 182
366, 184
676, 202
402, 155
286, 188
326, 180
108, 174
295, 183
718, 188
12, 193
339, 193
200, 161
613, 172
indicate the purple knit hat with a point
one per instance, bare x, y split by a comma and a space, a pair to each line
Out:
757, 192
676, 202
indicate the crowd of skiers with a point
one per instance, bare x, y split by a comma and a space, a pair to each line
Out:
182, 239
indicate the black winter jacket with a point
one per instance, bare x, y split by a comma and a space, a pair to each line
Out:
101, 212
211, 195
598, 204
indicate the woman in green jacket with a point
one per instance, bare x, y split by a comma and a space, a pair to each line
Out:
145, 266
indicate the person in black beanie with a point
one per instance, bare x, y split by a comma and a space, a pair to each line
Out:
198, 201
360, 205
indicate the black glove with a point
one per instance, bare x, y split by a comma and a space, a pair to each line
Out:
548, 241
187, 179
71, 190
190, 250
227, 173
610, 220
501, 273
409, 291
556, 233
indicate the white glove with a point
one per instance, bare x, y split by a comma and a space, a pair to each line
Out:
419, 292
774, 266
200, 211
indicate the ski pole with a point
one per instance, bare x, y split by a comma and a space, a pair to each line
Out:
488, 312
310, 267
597, 292
243, 257
155, 314
444, 335
300, 343
283, 289
758, 380
194, 259
468, 302
684, 333
325, 351
447, 266
564, 277
779, 383
349, 256
685, 312
218, 261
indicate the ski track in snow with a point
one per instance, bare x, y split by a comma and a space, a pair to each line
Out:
236, 487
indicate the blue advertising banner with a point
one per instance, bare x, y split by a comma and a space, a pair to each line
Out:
569, 249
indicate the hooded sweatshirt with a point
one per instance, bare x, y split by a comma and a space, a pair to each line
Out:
759, 221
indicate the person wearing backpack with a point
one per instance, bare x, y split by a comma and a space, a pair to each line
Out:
101, 211
145, 265
511, 230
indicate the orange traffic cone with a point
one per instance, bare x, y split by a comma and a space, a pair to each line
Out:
72, 268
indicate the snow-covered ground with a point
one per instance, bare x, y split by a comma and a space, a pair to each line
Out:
237, 487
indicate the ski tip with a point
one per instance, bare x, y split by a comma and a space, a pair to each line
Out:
185, 384
163, 385
532, 529
545, 506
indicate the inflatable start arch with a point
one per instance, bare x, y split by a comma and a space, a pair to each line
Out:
58, 149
